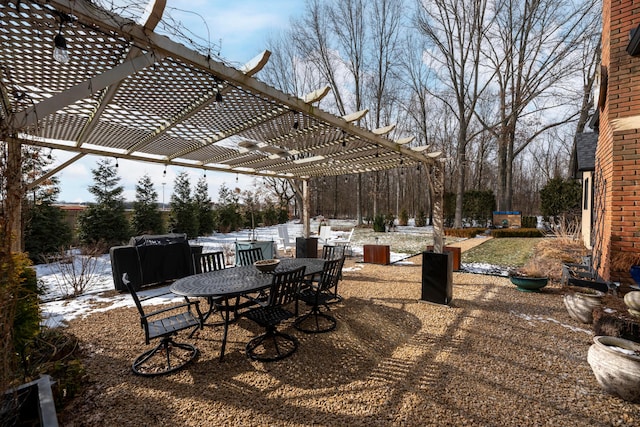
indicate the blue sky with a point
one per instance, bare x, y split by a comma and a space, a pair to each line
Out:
241, 28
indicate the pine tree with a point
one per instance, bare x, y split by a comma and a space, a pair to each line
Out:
46, 230
202, 202
147, 219
184, 218
227, 214
105, 221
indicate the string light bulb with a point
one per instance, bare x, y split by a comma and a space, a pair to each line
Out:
117, 165
60, 51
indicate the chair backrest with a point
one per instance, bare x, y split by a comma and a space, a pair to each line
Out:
283, 232
350, 235
134, 295
285, 285
211, 261
330, 274
325, 232
248, 256
331, 252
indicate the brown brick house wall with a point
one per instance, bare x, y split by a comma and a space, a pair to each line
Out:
617, 175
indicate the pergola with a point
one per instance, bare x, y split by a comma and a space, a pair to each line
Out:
128, 92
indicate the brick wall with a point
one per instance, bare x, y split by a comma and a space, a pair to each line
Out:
617, 192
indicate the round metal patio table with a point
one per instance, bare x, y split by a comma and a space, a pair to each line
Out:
237, 281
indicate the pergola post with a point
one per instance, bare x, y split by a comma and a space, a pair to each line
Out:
13, 201
437, 182
306, 205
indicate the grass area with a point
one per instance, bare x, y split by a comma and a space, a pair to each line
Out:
506, 252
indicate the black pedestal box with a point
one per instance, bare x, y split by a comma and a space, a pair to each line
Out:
306, 247
437, 277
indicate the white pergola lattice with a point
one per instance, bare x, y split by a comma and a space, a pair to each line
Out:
131, 93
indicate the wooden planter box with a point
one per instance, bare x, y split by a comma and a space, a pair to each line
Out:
377, 254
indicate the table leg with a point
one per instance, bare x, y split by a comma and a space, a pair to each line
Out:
227, 312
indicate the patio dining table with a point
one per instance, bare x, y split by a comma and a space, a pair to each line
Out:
234, 282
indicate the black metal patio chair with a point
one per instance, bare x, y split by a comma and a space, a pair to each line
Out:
168, 356
214, 261
331, 252
274, 345
211, 261
318, 295
249, 256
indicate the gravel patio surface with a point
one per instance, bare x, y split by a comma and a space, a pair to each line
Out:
495, 357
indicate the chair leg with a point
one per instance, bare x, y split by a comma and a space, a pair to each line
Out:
287, 346
168, 351
336, 298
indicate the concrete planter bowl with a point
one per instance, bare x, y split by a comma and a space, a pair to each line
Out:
580, 303
529, 284
615, 362
632, 301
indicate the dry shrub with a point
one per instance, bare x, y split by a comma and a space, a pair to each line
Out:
76, 269
622, 261
567, 231
565, 250
550, 254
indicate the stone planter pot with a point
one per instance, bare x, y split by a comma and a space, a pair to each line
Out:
580, 303
529, 284
632, 300
615, 362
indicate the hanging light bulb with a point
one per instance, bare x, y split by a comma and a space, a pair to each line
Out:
236, 177
219, 96
49, 155
60, 52
117, 165
165, 171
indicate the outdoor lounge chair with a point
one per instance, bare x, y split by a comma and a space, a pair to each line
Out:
285, 240
345, 242
318, 295
325, 234
274, 345
168, 356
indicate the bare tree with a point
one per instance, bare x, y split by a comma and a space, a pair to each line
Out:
455, 32
531, 50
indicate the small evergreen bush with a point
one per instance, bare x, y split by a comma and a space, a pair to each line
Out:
421, 219
403, 219
464, 232
516, 232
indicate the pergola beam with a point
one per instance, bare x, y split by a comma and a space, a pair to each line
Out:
32, 115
